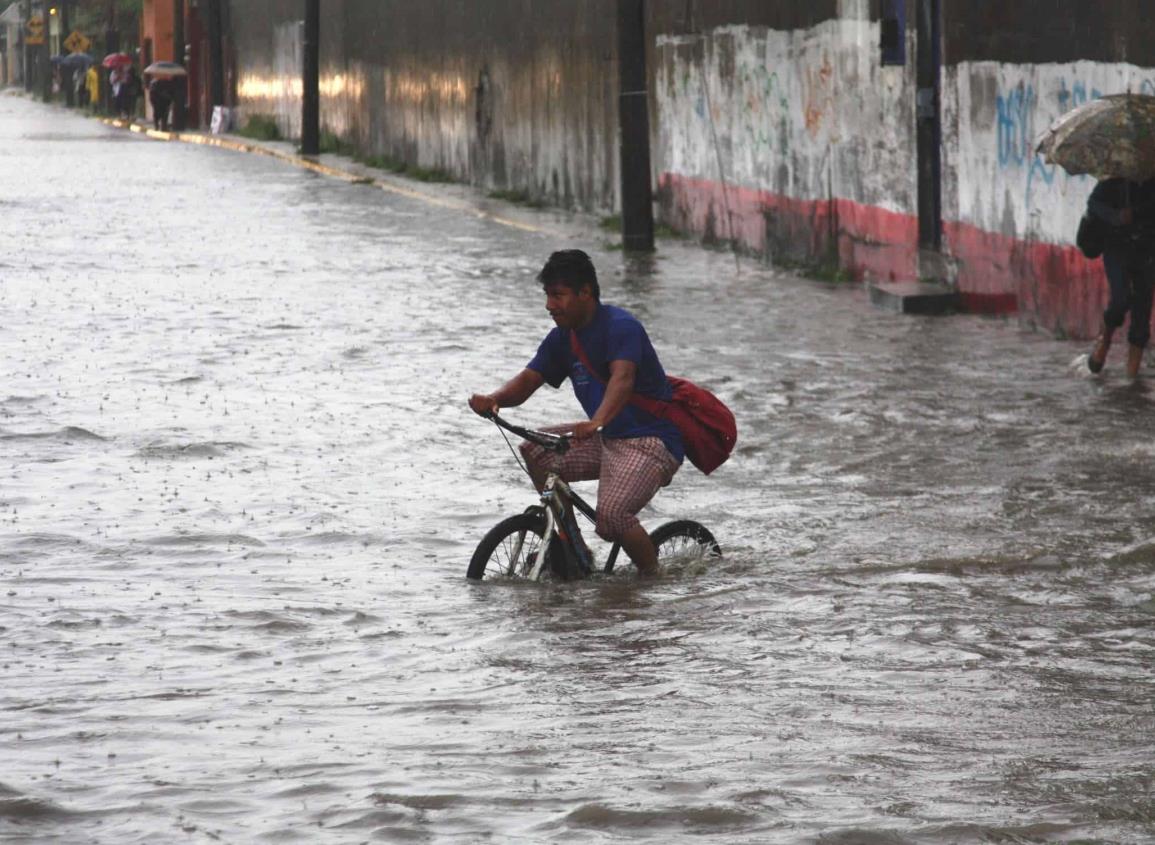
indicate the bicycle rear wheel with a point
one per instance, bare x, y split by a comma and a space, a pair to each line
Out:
684, 541
509, 549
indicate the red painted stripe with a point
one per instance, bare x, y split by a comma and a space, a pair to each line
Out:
1052, 285
1055, 285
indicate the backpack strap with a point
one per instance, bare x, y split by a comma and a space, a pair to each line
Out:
653, 407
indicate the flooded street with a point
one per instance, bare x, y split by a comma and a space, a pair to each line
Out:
239, 486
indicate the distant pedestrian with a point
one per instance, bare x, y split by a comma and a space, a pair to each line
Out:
1127, 211
92, 84
116, 85
129, 92
80, 88
160, 98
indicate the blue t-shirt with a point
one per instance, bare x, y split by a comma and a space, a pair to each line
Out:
614, 334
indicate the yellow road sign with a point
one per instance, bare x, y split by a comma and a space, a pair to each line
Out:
35, 31
77, 42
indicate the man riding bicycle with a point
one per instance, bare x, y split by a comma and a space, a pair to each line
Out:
631, 452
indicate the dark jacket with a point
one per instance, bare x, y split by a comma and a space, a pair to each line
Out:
1107, 202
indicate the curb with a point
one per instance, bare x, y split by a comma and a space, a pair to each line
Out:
309, 163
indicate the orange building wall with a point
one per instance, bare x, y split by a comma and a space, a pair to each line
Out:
156, 26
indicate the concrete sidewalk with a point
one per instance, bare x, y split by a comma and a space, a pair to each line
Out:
909, 298
457, 196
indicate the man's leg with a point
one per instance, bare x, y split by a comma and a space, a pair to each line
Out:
633, 470
637, 544
582, 462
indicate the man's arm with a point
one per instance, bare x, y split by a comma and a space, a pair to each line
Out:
509, 395
619, 389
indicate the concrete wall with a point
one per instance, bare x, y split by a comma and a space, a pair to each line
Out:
798, 144
774, 123
508, 95
801, 144
1010, 217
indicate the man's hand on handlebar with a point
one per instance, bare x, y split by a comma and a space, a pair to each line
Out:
586, 429
483, 404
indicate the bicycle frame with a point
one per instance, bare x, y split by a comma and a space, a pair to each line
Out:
554, 496
554, 521
556, 512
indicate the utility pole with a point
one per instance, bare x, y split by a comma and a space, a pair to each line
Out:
311, 79
45, 61
67, 73
634, 123
180, 101
27, 47
216, 54
111, 45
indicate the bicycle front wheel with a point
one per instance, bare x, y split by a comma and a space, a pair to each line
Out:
684, 541
509, 549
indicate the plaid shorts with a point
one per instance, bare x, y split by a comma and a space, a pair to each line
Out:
630, 470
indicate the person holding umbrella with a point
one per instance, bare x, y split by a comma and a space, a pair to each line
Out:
162, 90
1113, 139
160, 96
1126, 210
116, 64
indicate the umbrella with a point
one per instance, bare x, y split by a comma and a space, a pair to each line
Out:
1112, 136
165, 69
77, 60
117, 60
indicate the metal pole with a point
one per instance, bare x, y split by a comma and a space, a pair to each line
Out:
44, 54
180, 95
216, 54
68, 74
311, 80
27, 47
634, 121
111, 45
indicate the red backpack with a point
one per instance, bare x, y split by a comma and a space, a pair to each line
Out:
707, 426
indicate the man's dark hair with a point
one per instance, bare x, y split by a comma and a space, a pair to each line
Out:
572, 268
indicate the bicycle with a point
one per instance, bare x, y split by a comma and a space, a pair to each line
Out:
541, 542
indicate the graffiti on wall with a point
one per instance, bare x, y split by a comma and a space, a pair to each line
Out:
764, 98
818, 96
754, 107
766, 119
1016, 112
1022, 114
771, 110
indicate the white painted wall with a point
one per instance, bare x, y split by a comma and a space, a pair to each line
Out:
810, 114
998, 112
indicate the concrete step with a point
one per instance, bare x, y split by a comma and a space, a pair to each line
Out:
915, 297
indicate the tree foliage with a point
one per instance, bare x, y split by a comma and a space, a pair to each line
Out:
95, 17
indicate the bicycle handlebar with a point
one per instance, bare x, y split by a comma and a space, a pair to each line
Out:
553, 442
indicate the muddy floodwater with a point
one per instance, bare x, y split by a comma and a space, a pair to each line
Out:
239, 487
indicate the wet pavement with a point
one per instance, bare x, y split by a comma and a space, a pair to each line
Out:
239, 487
